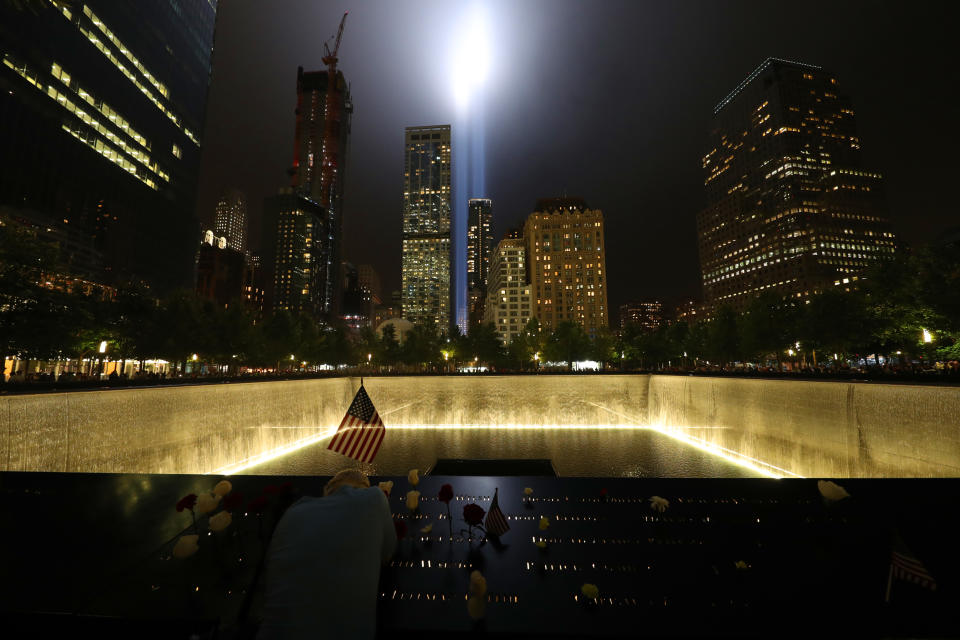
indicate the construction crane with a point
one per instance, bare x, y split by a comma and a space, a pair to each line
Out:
330, 156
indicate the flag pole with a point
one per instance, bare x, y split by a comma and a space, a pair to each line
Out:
889, 582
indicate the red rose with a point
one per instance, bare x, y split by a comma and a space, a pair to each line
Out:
401, 528
473, 514
258, 504
603, 492
271, 490
187, 502
233, 501
446, 493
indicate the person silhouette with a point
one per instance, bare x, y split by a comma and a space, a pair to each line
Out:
323, 563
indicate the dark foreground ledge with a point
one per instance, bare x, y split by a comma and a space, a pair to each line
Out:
760, 558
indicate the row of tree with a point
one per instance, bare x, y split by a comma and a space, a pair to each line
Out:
891, 311
907, 307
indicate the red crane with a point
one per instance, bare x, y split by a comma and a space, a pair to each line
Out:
330, 156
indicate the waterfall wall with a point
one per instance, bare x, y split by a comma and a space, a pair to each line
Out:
818, 429
828, 429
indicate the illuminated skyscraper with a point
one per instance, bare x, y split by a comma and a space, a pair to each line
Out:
231, 220
509, 300
479, 245
369, 279
297, 255
566, 260
309, 179
427, 291
648, 315
790, 208
101, 115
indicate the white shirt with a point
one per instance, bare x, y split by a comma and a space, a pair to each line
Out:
323, 566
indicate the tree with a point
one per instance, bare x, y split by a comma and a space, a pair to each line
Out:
388, 351
834, 321
421, 346
568, 343
134, 322
723, 336
337, 348
279, 338
767, 326
602, 348
484, 343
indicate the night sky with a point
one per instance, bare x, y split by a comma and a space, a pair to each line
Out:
611, 101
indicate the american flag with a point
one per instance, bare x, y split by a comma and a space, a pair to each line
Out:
906, 566
496, 523
361, 432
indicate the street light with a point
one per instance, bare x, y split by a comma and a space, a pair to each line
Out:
103, 350
927, 337
369, 357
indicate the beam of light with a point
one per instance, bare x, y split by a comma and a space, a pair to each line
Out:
471, 65
471, 60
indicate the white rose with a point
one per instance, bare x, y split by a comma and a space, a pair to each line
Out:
186, 546
220, 521
413, 499
207, 502
223, 488
831, 490
476, 607
659, 504
478, 585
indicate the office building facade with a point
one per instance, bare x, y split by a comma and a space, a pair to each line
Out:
230, 219
221, 273
790, 207
508, 305
369, 279
566, 257
101, 115
479, 246
297, 254
648, 315
426, 258
318, 120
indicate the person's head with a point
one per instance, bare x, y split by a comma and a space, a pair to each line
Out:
346, 478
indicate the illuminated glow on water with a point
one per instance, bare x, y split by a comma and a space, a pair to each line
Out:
607, 450
267, 456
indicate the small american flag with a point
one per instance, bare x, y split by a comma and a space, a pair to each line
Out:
361, 432
906, 566
496, 523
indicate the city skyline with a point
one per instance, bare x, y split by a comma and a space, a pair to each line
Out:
648, 179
